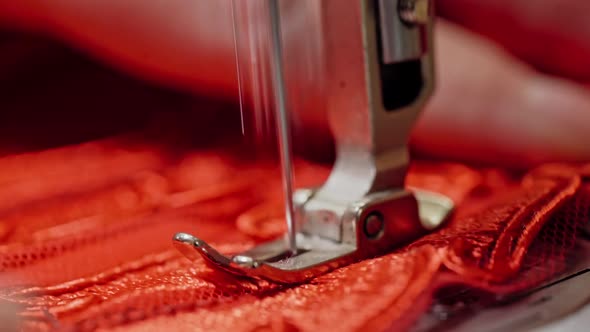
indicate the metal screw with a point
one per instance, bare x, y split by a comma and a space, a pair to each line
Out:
244, 261
415, 11
374, 225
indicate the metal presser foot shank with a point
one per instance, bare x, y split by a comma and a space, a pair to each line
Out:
362, 210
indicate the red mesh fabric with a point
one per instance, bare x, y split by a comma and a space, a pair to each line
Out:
86, 244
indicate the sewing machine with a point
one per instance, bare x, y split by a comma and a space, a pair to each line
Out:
376, 90
363, 209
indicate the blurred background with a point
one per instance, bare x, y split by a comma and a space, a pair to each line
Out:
151, 82
73, 71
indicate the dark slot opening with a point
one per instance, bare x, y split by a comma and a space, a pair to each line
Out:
401, 82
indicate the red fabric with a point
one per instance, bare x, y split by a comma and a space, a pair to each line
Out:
87, 244
85, 230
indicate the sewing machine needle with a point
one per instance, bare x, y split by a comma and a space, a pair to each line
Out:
282, 116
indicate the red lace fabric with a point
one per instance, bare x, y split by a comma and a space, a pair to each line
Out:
86, 244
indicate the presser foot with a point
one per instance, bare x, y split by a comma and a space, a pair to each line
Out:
330, 238
378, 78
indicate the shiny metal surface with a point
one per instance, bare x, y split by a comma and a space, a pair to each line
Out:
433, 208
401, 26
415, 12
326, 244
282, 119
336, 223
371, 141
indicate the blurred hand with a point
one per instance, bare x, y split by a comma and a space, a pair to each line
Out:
9, 317
489, 105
